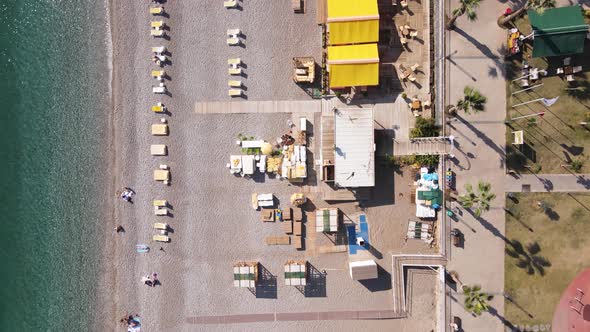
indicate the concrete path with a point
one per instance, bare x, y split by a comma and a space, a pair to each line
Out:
474, 59
548, 183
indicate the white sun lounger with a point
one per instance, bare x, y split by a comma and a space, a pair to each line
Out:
159, 89
234, 84
160, 211
233, 32
159, 49
230, 4
233, 41
158, 150
234, 62
234, 92
235, 71
160, 129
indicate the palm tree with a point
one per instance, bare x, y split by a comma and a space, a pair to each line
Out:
465, 7
480, 202
476, 301
528, 259
472, 100
538, 5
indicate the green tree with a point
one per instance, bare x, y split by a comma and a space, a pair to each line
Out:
465, 7
424, 128
538, 5
480, 201
476, 301
472, 100
528, 257
577, 165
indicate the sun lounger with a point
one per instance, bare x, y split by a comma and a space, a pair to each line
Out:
160, 211
230, 4
157, 33
158, 73
413, 33
161, 238
160, 202
158, 49
570, 78
156, 10
161, 175
577, 69
159, 129
158, 150
412, 78
159, 89
234, 92
234, 62
404, 3
403, 40
233, 41
235, 71
567, 61
234, 84
415, 67
233, 32
277, 240
157, 24
297, 228
159, 108
288, 226
161, 225
267, 215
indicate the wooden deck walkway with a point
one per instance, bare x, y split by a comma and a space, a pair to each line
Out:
296, 316
421, 146
270, 106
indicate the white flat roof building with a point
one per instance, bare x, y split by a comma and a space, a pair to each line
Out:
354, 142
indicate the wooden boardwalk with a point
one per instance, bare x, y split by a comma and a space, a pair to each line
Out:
270, 106
297, 316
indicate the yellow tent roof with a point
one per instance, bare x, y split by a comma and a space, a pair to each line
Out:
354, 32
353, 65
359, 9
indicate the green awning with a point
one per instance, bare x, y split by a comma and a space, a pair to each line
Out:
558, 31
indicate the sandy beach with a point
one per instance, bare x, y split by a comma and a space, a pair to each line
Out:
212, 223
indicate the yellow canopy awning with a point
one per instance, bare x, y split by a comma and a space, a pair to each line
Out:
338, 9
354, 32
353, 65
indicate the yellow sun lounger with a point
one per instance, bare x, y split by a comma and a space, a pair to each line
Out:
233, 41
161, 175
157, 24
234, 84
159, 129
235, 71
160, 202
161, 238
158, 150
158, 109
157, 33
156, 10
157, 73
161, 225
234, 92
234, 61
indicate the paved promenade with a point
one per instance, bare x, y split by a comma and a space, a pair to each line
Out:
548, 183
475, 60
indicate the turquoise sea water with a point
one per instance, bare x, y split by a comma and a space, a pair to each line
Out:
54, 88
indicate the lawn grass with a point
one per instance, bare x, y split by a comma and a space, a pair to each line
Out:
562, 234
557, 138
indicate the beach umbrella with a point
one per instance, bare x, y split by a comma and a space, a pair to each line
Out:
266, 148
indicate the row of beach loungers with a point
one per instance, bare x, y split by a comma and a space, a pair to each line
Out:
159, 57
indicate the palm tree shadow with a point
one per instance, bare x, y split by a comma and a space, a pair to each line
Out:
494, 312
483, 136
486, 51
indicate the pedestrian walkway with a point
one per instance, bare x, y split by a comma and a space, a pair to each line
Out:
548, 183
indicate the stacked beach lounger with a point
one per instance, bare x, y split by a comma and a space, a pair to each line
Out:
245, 274
295, 273
326, 220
